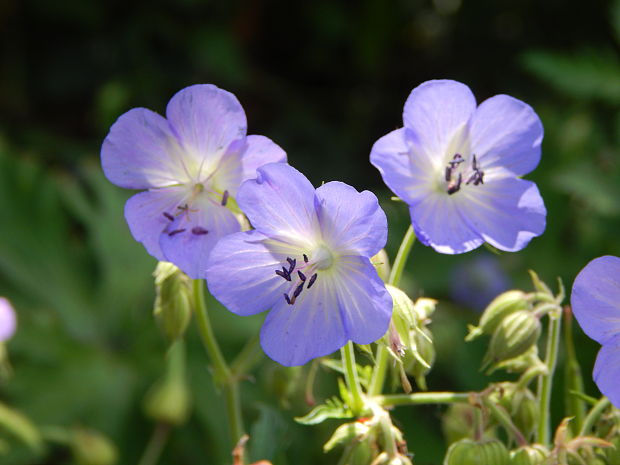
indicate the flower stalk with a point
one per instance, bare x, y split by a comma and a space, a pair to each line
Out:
351, 378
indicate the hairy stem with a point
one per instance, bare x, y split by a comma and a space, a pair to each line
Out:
420, 398
545, 381
351, 378
593, 415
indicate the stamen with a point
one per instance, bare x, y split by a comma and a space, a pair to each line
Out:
298, 290
292, 262
287, 298
312, 280
168, 216
176, 231
306, 258
284, 274
199, 231
301, 275
224, 198
455, 186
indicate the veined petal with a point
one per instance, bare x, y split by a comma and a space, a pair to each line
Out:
206, 120
406, 171
436, 111
438, 222
141, 152
312, 327
187, 241
596, 298
506, 133
365, 304
507, 212
607, 371
280, 203
144, 213
351, 222
241, 272
259, 151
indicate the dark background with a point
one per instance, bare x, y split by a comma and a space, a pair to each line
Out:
323, 79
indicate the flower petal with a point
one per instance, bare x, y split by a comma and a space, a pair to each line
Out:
206, 120
506, 133
438, 222
312, 327
8, 320
260, 151
364, 302
607, 371
351, 221
596, 298
507, 212
436, 111
404, 169
144, 213
141, 152
280, 202
188, 240
241, 272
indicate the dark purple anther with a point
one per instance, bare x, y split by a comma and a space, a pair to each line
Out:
224, 198
183, 207
455, 186
301, 275
169, 216
312, 279
298, 290
284, 274
288, 300
292, 262
199, 231
448, 173
305, 258
176, 231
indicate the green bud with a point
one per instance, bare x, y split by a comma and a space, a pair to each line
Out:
346, 433
421, 356
484, 452
458, 422
514, 336
90, 447
173, 309
502, 306
381, 262
535, 454
168, 401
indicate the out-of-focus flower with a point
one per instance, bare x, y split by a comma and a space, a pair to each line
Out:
477, 282
596, 305
8, 321
457, 166
192, 163
308, 261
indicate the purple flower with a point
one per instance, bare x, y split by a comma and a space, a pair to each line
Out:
192, 163
457, 165
596, 305
8, 322
308, 261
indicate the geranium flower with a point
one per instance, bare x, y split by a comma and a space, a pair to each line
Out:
8, 322
192, 162
596, 305
457, 165
308, 260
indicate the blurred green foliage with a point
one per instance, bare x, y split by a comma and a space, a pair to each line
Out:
323, 79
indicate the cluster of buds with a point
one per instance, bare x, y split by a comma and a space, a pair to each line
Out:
408, 339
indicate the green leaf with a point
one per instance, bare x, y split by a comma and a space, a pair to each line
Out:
333, 408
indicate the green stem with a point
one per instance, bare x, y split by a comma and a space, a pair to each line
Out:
573, 380
156, 444
593, 415
247, 358
222, 373
420, 398
350, 375
503, 418
545, 381
382, 356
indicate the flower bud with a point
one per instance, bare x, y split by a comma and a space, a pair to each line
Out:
458, 422
168, 401
484, 452
90, 447
381, 262
502, 306
514, 336
419, 359
173, 308
535, 454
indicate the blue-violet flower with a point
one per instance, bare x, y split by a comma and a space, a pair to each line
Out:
456, 165
596, 305
192, 163
8, 321
308, 260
